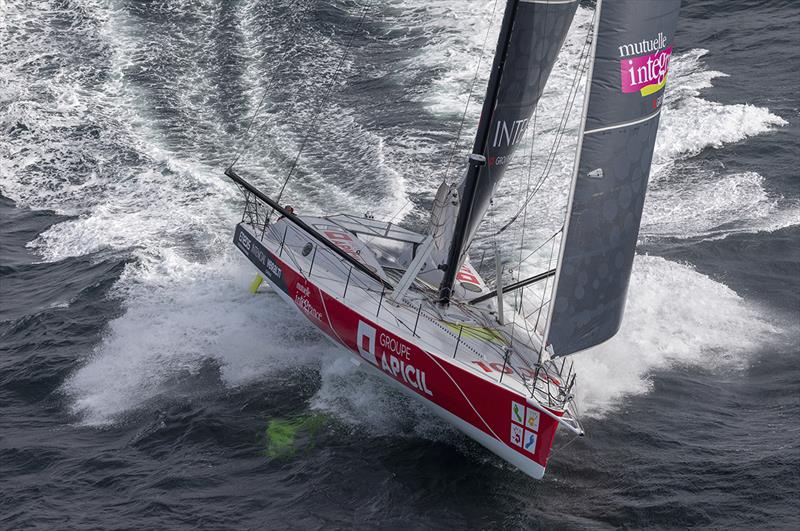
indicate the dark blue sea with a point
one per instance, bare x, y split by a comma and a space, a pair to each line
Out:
142, 386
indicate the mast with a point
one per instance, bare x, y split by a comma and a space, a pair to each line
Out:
477, 158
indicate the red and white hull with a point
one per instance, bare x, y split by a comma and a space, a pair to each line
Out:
465, 390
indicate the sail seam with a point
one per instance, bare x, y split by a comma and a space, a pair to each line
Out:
624, 124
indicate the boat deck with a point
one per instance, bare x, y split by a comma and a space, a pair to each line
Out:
463, 333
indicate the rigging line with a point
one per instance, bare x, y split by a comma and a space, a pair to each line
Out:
566, 445
527, 191
556, 233
550, 159
518, 295
246, 136
545, 242
561, 130
524, 219
469, 97
525, 206
539, 309
562, 127
324, 99
535, 116
544, 294
528, 183
530, 161
391, 219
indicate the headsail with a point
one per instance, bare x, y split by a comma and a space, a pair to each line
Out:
633, 45
532, 35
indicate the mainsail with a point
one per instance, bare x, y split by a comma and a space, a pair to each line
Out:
532, 34
632, 49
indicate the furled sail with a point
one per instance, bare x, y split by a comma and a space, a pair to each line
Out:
632, 49
532, 35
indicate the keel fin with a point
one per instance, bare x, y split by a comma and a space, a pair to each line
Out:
256, 284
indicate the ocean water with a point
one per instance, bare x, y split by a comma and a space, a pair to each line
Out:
143, 386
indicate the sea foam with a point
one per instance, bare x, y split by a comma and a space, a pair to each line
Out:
161, 199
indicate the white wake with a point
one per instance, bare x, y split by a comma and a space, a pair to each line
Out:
185, 297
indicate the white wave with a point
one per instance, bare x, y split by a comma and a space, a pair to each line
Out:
688, 199
179, 316
362, 400
691, 123
184, 297
674, 316
716, 207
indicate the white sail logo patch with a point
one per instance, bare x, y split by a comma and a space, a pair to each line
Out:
644, 65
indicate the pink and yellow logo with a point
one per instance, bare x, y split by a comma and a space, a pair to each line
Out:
645, 72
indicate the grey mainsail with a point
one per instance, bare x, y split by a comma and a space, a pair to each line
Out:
633, 45
532, 35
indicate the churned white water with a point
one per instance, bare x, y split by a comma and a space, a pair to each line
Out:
185, 293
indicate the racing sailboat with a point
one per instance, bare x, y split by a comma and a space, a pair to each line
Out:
411, 307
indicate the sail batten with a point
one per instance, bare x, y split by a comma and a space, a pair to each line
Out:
632, 48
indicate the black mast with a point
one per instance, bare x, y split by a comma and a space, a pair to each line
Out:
477, 158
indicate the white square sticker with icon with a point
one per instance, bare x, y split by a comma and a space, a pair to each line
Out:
517, 413
516, 434
529, 442
532, 419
